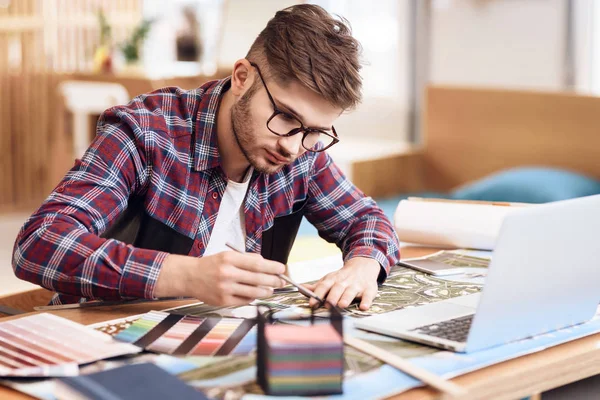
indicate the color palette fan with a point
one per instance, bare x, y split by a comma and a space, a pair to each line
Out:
176, 334
300, 360
47, 345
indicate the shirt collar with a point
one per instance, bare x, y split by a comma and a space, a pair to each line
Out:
206, 150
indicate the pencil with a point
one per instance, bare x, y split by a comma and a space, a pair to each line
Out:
305, 291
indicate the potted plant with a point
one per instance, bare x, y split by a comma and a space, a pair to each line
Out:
131, 47
103, 61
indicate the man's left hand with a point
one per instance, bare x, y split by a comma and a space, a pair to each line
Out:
356, 279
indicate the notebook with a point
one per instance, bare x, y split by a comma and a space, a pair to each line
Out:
138, 381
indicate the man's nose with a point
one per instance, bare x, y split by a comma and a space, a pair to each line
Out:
292, 145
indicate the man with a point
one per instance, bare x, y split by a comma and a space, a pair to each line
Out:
176, 178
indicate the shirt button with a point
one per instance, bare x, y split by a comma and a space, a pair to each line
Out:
60, 190
215, 195
198, 245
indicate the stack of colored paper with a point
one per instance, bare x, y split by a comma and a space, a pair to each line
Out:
303, 360
47, 345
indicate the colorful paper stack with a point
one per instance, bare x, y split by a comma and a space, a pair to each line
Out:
47, 345
300, 360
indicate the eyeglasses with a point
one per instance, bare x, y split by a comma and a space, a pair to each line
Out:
284, 124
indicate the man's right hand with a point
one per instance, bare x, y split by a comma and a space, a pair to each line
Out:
223, 279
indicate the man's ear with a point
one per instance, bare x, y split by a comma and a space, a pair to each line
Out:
242, 77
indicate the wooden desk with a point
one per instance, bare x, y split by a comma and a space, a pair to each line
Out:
512, 379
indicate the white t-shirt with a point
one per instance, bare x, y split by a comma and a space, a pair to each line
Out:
230, 226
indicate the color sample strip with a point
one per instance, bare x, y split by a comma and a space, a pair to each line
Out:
14, 350
247, 344
304, 360
141, 327
159, 330
17, 349
205, 327
216, 337
27, 335
176, 335
47, 345
236, 337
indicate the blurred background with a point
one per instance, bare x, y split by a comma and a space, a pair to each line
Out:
64, 61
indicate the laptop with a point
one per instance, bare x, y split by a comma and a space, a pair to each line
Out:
544, 276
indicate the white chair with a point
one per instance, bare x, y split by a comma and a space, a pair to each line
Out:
83, 99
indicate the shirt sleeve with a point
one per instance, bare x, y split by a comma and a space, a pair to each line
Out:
60, 247
344, 215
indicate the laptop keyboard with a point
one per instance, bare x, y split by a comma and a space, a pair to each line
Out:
456, 329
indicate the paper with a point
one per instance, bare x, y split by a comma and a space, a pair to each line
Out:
466, 266
307, 271
404, 287
450, 224
47, 345
178, 334
114, 326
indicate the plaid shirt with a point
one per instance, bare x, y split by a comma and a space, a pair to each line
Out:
163, 146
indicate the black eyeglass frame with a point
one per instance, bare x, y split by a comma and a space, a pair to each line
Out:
305, 130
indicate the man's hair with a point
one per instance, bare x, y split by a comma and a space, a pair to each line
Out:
305, 43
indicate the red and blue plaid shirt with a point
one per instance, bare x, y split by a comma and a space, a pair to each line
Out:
163, 146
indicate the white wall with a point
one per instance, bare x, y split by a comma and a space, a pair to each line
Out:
584, 43
493, 43
595, 57
503, 43
244, 19
384, 34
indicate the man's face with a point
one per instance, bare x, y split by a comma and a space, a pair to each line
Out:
267, 152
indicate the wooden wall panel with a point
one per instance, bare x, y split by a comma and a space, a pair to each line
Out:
40, 40
390, 175
470, 133
6, 158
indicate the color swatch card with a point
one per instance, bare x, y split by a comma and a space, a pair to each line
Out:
47, 345
176, 334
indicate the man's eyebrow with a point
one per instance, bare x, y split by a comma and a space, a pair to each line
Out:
296, 114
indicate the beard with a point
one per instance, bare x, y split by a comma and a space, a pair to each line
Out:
242, 123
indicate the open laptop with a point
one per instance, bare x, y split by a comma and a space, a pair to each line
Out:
544, 275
